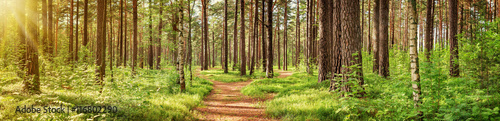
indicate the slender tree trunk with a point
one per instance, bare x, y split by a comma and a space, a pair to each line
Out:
384, 39
309, 36
297, 36
243, 68
429, 29
190, 49
225, 38
369, 43
254, 35
376, 36
75, 54
134, 46
160, 26
454, 70
150, 52
269, 69
45, 26
325, 38
121, 35
85, 25
235, 35
264, 42
50, 31
110, 39
71, 56
205, 36
285, 39
415, 76
181, 46
351, 43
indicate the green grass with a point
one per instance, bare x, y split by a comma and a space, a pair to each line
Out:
233, 76
300, 97
151, 95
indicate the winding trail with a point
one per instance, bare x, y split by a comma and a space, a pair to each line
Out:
225, 102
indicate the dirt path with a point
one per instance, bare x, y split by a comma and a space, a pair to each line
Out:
226, 102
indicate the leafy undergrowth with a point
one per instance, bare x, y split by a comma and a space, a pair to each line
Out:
151, 95
300, 97
233, 76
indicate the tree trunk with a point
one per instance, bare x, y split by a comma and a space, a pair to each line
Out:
429, 29
376, 26
336, 44
181, 46
50, 30
285, 39
235, 35
85, 25
325, 38
71, 56
225, 38
101, 41
110, 39
368, 44
351, 43
243, 68
75, 54
297, 36
134, 46
150, 52
205, 35
32, 77
158, 42
454, 70
415, 76
121, 35
309, 36
264, 43
269, 69
384, 39
254, 36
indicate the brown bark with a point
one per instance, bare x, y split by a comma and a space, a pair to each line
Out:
429, 29
325, 38
205, 35
101, 41
351, 43
336, 44
243, 68
384, 39
75, 54
269, 69
85, 24
235, 35
158, 42
45, 28
150, 52
285, 39
263, 40
120, 35
225, 39
50, 30
297, 36
71, 56
376, 26
254, 36
454, 70
369, 42
134, 46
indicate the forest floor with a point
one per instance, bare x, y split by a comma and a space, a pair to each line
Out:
226, 102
